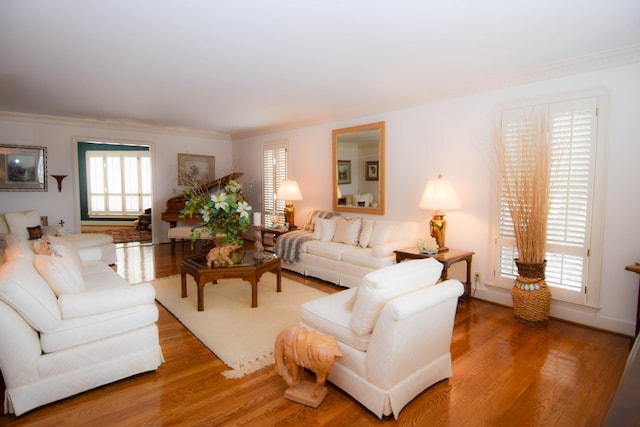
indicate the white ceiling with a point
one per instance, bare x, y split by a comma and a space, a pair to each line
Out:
248, 67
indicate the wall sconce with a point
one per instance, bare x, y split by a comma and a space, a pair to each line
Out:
59, 178
439, 195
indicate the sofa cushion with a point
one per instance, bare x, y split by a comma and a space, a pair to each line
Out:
27, 293
328, 250
347, 230
60, 273
364, 257
331, 315
19, 222
381, 286
105, 300
81, 330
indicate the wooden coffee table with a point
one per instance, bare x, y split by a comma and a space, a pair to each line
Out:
250, 269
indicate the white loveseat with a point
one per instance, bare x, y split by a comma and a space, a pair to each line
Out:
26, 225
342, 249
69, 326
394, 331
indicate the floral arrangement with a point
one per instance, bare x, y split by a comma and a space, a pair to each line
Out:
428, 244
223, 212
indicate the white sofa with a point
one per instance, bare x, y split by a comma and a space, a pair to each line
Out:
342, 249
394, 331
69, 326
26, 225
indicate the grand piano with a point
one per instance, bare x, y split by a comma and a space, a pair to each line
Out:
177, 203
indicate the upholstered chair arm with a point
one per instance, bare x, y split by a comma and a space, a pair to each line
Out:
105, 300
413, 331
19, 348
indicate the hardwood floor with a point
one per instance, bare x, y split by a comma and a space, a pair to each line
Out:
504, 374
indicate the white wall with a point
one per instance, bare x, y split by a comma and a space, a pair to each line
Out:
60, 136
453, 137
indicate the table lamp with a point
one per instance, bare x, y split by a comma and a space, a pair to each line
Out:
289, 192
439, 195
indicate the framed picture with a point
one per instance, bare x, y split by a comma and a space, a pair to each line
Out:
23, 168
372, 171
344, 172
195, 169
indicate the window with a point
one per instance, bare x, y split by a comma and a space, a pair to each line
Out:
576, 157
118, 183
274, 171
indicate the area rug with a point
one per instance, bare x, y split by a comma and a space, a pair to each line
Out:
126, 235
241, 336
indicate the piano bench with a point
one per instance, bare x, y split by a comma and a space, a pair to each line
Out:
183, 232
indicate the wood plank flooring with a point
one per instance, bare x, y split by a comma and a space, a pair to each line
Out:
504, 374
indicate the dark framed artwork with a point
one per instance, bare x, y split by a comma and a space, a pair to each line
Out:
195, 169
23, 168
372, 171
344, 172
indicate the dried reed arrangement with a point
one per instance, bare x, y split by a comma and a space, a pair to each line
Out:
524, 165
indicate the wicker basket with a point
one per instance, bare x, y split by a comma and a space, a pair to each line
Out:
531, 295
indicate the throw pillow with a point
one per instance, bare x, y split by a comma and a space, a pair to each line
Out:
317, 231
28, 294
34, 232
328, 228
347, 230
19, 221
60, 273
365, 232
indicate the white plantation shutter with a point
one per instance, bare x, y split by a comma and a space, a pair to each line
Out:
118, 183
573, 139
274, 171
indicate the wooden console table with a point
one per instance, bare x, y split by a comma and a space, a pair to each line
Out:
447, 258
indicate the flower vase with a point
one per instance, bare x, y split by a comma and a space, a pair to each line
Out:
531, 295
218, 238
237, 256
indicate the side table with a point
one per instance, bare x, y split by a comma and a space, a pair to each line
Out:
274, 232
447, 258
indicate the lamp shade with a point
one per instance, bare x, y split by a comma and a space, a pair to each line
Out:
288, 191
438, 195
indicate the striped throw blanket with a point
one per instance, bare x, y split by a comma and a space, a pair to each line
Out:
289, 244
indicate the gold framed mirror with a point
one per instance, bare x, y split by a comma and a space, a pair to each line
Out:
358, 169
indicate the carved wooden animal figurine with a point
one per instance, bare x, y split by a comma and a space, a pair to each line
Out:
219, 255
297, 348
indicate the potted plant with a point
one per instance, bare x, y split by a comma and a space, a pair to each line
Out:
524, 166
225, 213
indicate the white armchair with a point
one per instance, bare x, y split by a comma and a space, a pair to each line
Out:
394, 331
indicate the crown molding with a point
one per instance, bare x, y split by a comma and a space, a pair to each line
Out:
110, 124
583, 64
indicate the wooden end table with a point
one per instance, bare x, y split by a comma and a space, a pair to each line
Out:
447, 258
250, 270
275, 232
